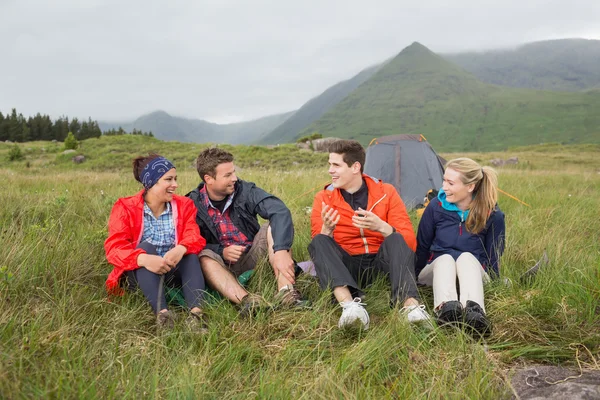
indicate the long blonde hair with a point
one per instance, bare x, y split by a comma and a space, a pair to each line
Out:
485, 193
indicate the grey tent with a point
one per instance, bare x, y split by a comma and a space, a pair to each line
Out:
409, 163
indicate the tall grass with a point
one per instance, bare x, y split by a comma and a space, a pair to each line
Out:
61, 337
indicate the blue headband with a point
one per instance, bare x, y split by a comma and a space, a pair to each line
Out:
155, 169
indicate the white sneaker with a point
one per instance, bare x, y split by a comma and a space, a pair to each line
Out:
417, 315
354, 311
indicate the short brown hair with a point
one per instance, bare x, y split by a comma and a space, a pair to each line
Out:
209, 159
351, 152
140, 163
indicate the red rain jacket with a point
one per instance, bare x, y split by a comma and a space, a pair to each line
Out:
125, 228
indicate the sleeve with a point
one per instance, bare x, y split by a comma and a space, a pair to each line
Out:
190, 237
316, 223
216, 247
398, 218
120, 246
425, 236
280, 218
494, 242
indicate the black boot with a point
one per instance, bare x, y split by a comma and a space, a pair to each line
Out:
476, 321
451, 312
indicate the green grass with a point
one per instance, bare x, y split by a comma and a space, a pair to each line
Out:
60, 337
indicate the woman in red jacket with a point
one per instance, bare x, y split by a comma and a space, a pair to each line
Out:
153, 240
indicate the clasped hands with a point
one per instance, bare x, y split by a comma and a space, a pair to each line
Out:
161, 265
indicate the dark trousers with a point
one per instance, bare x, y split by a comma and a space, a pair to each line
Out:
336, 268
186, 275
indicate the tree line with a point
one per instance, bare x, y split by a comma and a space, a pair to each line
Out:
16, 128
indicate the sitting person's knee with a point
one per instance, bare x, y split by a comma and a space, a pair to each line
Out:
148, 247
466, 256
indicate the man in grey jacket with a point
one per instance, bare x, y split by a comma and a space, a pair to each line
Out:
227, 217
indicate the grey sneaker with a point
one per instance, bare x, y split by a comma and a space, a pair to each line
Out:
354, 313
289, 297
250, 305
165, 320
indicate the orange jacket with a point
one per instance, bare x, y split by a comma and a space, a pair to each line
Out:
384, 201
125, 229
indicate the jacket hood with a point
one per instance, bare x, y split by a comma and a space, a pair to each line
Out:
446, 205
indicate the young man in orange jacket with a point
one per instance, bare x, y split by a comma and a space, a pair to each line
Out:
360, 227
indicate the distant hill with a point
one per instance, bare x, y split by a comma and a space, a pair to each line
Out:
168, 127
421, 92
562, 65
315, 108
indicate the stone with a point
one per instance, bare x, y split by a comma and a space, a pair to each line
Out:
78, 159
70, 151
550, 382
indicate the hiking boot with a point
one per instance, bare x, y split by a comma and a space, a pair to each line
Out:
451, 312
196, 322
475, 320
416, 314
289, 297
354, 314
165, 320
250, 305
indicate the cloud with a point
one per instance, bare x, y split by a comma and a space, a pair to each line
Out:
231, 60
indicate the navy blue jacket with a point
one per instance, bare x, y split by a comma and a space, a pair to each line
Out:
248, 202
442, 232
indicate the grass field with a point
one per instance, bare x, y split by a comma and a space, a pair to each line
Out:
60, 337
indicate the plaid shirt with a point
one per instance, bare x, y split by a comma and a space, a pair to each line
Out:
159, 231
228, 233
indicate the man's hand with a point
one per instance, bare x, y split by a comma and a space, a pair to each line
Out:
282, 262
173, 256
330, 218
368, 220
152, 263
233, 253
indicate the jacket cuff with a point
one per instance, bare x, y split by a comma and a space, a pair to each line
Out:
280, 247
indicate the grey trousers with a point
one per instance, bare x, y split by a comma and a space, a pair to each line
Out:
394, 259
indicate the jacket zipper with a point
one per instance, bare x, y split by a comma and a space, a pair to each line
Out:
462, 216
362, 233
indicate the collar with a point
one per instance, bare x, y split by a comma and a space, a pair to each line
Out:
446, 205
148, 211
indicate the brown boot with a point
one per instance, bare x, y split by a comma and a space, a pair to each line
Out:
165, 320
196, 322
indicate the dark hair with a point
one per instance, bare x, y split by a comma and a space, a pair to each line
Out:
140, 163
209, 159
351, 152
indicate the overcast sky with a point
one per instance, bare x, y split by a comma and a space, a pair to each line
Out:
227, 61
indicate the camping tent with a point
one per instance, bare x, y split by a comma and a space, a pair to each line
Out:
409, 163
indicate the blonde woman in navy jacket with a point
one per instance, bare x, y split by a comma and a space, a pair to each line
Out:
459, 243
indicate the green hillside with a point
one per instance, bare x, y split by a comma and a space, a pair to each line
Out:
315, 108
561, 65
421, 92
167, 127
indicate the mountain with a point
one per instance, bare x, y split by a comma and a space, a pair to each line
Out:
167, 127
315, 108
421, 92
562, 65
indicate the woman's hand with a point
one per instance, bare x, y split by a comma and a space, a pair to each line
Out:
173, 256
152, 263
